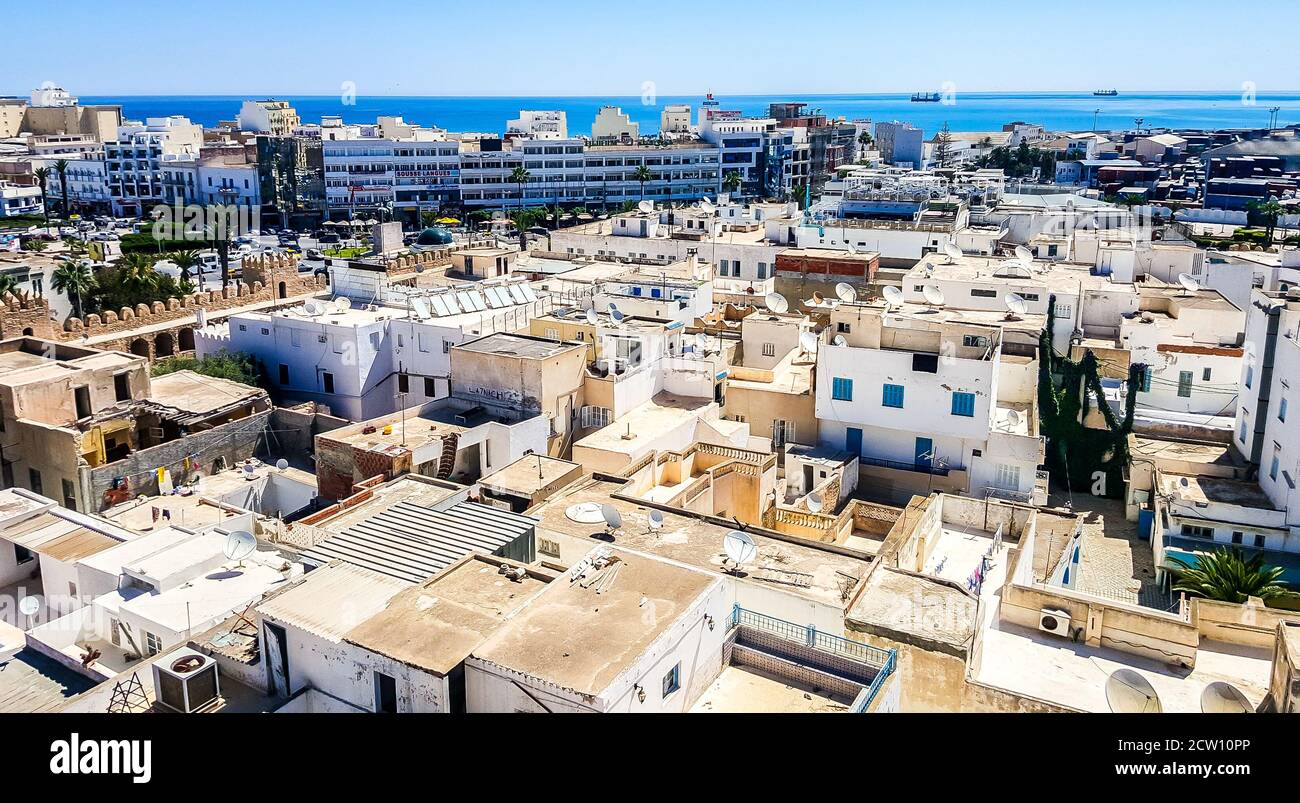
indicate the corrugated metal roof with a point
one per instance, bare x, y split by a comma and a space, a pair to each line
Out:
332, 600
411, 542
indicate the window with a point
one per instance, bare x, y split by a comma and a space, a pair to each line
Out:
842, 389
925, 363
152, 644
1250, 375
672, 680
782, 432
114, 635
403, 383
69, 495
893, 396
122, 387
23, 555
430, 387
963, 404
82, 397
34, 480
1281, 410
328, 379
975, 341
284, 374
1272, 469
981, 293
1007, 477
1241, 431
1205, 375
446, 346
1260, 541
769, 349
843, 327
1184, 383
1197, 531
374, 340
1236, 536
552, 334
385, 694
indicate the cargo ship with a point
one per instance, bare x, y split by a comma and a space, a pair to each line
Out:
1106, 93
925, 97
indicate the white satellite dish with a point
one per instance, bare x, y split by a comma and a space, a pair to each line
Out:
592, 317
776, 303
646, 206
818, 299
814, 502
239, 545
1189, 282
1221, 697
617, 316
1128, 692
740, 548
342, 304
701, 341
840, 341
1015, 303
656, 520
849, 245
29, 606
311, 308
951, 251
282, 464
611, 308
585, 513
893, 296
1013, 417
808, 342
846, 292
933, 295
1024, 254
613, 520
705, 203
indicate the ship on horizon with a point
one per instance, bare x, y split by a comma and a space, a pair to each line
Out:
1105, 93
925, 97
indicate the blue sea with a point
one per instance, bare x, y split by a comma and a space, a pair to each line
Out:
1060, 111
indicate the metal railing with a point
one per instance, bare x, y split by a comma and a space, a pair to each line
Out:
809, 635
899, 465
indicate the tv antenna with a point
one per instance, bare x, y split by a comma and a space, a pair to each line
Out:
1221, 697
933, 296
739, 548
776, 303
893, 297
845, 292
593, 317
1024, 255
1016, 306
814, 502
239, 545
613, 519
646, 206
1189, 283
951, 251
1128, 692
840, 341
655, 520
808, 342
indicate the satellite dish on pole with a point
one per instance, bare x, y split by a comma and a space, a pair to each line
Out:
239, 545
846, 292
592, 317
282, 464
1024, 254
28, 606
613, 519
706, 204
617, 316
1128, 692
951, 251
311, 308
815, 503
740, 548
840, 341
1224, 698
808, 342
893, 297
656, 520
1016, 305
646, 206
342, 304
776, 303
818, 299
933, 296
611, 308
1189, 282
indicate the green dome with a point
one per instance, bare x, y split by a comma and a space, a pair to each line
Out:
434, 235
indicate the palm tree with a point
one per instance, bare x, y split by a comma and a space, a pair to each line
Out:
8, 286
42, 175
642, 174
865, 140
186, 260
35, 245
137, 276
1270, 210
520, 176
61, 168
1228, 575
75, 279
731, 181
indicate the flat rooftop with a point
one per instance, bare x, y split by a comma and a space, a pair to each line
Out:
581, 635
437, 624
194, 395
1202, 452
1222, 491
33, 683
658, 414
893, 600
523, 346
750, 690
332, 600
792, 567
406, 488
529, 474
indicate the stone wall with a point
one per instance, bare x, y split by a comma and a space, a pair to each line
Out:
26, 316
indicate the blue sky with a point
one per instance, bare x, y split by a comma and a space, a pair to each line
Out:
507, 47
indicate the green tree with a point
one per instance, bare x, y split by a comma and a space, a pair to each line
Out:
233, 365
136, 275
642, 174
866, 140
76, 279
427, 218
8, 286
1269, 211
520, 177
61, 168
943, 147
185, 260
35, 245
1228, 575
731, 181
42, 176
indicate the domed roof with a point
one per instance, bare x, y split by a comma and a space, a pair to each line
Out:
434, 235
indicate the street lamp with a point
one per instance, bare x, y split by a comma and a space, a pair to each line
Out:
223, 242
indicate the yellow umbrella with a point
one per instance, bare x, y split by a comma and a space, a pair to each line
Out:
447, 220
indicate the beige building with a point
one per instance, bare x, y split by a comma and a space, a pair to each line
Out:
18, 117
268, 117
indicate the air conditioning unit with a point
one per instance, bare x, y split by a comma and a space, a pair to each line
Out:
1057, 622
185, 681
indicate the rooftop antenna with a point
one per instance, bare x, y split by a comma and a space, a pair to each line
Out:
612, 308
893, 297
1189, 283
846, 292
1016, 306
1128, 692
311, 308
592, 317
840, 341
29, 606
951, 251
776, 303
1221, 697
814, 502
808, 342
655, 520
239, 545
342, 304
617, 315
739, 548
613, 520
933, 296
282, 464
1024, 255
646, 206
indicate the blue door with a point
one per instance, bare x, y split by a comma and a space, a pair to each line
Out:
924, 454
1146, 522
853, 441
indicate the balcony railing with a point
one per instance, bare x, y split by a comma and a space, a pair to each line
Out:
900, 465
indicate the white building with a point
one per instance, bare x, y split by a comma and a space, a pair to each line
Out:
901, 144
539, 125
268, 117
675, 118
16, 199
612, 123
48, 95
135, 161
397, 166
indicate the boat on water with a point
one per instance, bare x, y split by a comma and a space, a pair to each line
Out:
925, 97
1106, 93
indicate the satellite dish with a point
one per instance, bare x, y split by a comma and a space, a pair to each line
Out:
592, 317
814, 502
840, 341
311, 308
1024, 254
342, 304
239, 545
707, 204
776, 303
818, 299
701, 341
740, 548
1013, 417
611, 308
1189, 282
846, 292
646, 206
282, 464
1224, 698
29, 606
248, 469
852, 250
617, 316
585, 512
951, 251
656, 520
1128, 692
933, 295
893, 296
613, 520
1015, 303
808, 342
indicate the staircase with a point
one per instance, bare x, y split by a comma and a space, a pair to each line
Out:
447, 462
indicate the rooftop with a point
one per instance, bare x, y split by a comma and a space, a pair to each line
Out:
195, 396
332, 600
524, 346
32, 683
1193, 488
529, 474
751, 690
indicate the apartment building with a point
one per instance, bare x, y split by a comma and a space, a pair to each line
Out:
532, 124
901, 144
392, 166
136, 158
268, 117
